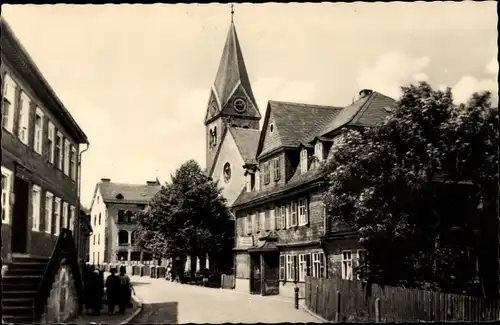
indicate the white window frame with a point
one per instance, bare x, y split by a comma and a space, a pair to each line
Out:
65, 214
277, 217
57, 215
38, 136
302, 211
318, 264
303, 161
74, 165
72, 218
67, 151
24, 118
302, 267
49, 211
347, 265
6, 195
283, 216
282, 267
51, 136
318, 151
36, 199
292, 211
290, 272
276, 169
60, 146
9, 94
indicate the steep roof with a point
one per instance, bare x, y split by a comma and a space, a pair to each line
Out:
136, 193
232, 70
366, 111
246, 141
296, 122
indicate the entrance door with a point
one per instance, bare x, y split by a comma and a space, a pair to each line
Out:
271, 273
20, 216
255, 275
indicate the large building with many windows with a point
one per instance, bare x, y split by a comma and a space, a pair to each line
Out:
272, 180
111, 215
40, 156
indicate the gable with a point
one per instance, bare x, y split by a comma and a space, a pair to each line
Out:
271, 137
229, 153
251, 110
213, 107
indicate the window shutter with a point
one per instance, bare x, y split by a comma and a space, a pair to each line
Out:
308, 264
322, 273
277, 217
267, 219
295, 268
282, 267
307, 210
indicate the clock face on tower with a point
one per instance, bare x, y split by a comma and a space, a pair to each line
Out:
240, 105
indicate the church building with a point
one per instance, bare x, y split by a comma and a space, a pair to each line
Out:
272, 181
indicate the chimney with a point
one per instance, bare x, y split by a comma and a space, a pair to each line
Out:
105, 180
365, 92
153, 183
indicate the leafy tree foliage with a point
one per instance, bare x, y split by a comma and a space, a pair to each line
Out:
420, 188
186, 217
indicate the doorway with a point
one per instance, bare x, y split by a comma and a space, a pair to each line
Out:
19, 236
271, 273
255, 274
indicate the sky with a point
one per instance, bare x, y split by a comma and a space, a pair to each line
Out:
137, 77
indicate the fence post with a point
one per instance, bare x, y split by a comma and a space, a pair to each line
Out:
337, 314
296, 289
377, 310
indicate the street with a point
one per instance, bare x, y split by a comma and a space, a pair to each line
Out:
173, 303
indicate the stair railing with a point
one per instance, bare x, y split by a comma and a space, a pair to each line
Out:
63, 254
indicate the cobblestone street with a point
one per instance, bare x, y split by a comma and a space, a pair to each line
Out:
167, 302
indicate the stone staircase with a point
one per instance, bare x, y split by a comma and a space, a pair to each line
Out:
20, 286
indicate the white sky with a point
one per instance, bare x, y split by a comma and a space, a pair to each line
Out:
137, 77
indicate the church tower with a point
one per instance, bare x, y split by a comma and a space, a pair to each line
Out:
231, 102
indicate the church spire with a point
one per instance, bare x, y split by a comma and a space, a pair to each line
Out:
232, 71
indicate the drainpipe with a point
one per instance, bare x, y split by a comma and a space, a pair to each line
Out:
78, 226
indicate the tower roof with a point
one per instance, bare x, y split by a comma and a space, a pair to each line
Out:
232, 70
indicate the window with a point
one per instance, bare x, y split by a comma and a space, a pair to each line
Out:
24, 118
57, 215
248, 223
267, 173
267, 218
277, 214
303, 216
99, 218
93, 256
6, 190
36, 197
318, 151
74, 166
71, 218
9, 93
318, 265
262, 220
121, 216
303, 266
283, 216
51, 142
123, 237
292, 214
290, 267
95, 220
65, 215
347, 265
255, 222
49, 201
59, 151
303, 160
38, 142
93, 243
282, 267
66, 156
98, 239
276, 169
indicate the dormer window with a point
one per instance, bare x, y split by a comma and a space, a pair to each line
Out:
303, 160
119, 196
318, 151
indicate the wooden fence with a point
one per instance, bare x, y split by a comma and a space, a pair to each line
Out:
347, 301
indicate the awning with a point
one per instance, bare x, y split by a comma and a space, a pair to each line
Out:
268, 246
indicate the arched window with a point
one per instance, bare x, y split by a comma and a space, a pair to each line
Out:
99, 218
121, 216
215, 136
123, 237
129, 215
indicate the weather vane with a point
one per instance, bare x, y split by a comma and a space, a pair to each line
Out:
232, 11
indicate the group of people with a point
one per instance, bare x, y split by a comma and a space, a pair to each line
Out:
117, 288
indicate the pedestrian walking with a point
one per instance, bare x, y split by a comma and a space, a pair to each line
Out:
125, 290
112, 290
168, 273
96, 292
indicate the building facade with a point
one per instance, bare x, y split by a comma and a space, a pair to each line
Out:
272, 178
111, 216
40, 156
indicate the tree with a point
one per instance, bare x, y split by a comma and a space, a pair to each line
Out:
186, 217
419, 188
